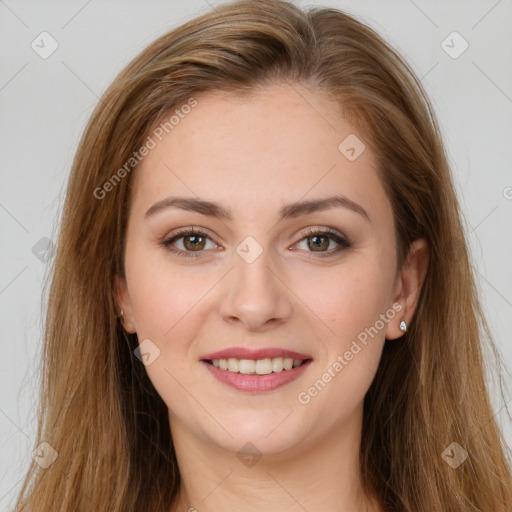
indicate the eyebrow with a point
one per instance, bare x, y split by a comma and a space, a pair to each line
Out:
289, 211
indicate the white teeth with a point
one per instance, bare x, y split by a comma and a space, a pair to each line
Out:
288, 363
258, 366
247, 366
233, 364
263, 366
277, 364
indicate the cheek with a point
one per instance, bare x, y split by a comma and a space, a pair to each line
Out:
162, 295
347, 300
352, 347
349, 307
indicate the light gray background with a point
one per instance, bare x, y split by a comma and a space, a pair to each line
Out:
45, 104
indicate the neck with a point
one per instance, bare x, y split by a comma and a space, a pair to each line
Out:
320, 474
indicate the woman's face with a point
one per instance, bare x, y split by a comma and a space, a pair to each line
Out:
256, 281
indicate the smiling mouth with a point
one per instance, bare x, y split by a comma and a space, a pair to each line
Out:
257, 366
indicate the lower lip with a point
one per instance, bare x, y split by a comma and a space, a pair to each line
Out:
257, 383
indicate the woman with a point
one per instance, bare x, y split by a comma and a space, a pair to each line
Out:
262, 298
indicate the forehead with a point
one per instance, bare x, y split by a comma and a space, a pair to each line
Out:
279, 144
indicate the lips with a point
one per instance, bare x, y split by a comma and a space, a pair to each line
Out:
256, 370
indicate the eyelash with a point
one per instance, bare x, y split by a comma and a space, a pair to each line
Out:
342, 241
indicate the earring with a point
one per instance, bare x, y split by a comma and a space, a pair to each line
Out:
121, 314
403, 326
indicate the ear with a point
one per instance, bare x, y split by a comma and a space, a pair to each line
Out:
408, 286
123, 302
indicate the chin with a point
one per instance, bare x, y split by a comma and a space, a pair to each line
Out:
263, 433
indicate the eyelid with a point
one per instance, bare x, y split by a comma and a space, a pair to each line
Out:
191, 230
183, 232
325, 231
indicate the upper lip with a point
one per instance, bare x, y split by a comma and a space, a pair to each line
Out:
259, 353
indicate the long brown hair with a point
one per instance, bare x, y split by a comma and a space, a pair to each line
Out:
99, 410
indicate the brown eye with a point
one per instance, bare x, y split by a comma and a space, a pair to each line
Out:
318, 242
194, 242
188, 242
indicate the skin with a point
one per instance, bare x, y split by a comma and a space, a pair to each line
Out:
253, 155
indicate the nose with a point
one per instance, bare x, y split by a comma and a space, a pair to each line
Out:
255, 296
